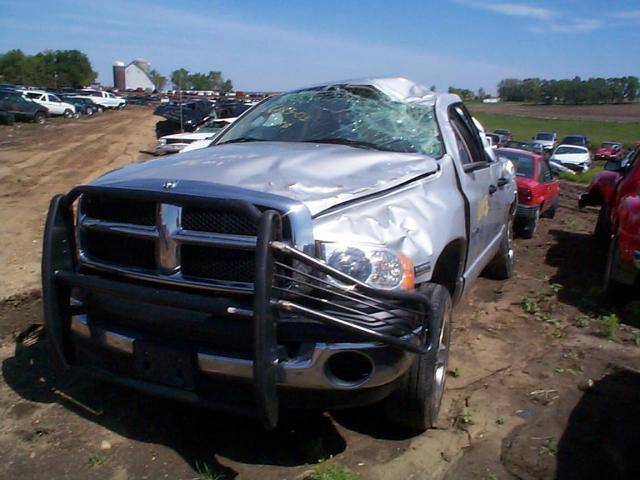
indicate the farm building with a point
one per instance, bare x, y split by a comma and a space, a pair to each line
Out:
133, 76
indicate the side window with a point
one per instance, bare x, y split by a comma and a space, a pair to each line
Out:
544, 175
473, 151
463, 149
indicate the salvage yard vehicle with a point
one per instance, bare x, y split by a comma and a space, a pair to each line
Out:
23, 108
580, 140
310, 258
83, 105
548, 140
51, 102
618, 195
505, 133
538, 189
575, 157
104, 99
534, 147
610, 151
179, 141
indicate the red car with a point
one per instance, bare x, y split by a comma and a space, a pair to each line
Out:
610, 151
618, 194
538, 189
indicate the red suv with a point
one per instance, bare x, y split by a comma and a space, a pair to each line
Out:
538, 189
618, 194
610, 151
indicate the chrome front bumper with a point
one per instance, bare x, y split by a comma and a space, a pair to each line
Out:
309, 371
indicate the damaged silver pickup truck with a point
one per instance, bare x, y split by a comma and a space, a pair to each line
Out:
308, 259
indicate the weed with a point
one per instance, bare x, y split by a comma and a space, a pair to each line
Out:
500, 421
205, 472
583, 321
466, 415
608, 325
549, 447
491, 475
636, 337
331, 471
95, 460
543, 303
455, 373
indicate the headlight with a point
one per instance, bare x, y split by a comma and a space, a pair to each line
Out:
377, 266
162, 141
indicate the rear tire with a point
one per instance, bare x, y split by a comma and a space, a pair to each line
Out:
602, 232
528, 229
40, 118
415, 403
501, 266
612, 286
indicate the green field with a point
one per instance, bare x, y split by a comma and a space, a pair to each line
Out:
523, 128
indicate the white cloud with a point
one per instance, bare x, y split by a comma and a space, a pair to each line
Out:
511, 9
585, 25
626, 15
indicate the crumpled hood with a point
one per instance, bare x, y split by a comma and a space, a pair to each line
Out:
319, 175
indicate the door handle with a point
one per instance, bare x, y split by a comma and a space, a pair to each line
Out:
502, 182
492, 189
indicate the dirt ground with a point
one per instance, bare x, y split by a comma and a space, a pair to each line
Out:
37, 162
627, 113
534, 392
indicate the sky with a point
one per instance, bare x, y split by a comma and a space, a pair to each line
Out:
282, 44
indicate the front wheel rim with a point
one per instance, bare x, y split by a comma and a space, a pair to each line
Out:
440, 367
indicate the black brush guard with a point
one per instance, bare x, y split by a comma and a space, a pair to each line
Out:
287, 281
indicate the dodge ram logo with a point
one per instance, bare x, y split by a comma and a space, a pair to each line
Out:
169, 184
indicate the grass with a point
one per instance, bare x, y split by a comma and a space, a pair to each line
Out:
523, 128
582, 177
331, 471
95, 460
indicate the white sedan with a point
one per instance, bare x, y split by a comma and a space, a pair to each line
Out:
572, 156
179, 141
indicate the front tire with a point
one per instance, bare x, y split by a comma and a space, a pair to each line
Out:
40, 118
68, 113
415, 403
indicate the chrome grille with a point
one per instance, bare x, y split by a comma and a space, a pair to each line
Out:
178, 243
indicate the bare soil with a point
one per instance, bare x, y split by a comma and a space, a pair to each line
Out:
534, 395
37, 162
626, 113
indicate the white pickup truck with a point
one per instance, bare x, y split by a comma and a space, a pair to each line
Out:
51, 102
103, 99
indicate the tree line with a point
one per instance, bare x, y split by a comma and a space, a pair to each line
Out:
182, 79
50, 68
570, 92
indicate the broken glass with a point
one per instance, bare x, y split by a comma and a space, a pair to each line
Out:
356, 115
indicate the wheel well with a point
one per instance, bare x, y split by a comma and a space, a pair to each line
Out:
450, 265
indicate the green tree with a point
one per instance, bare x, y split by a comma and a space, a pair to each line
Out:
159, 80
180, 79
59, 68
227, 86
482, 94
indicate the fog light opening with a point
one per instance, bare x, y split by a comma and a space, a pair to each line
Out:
348, 369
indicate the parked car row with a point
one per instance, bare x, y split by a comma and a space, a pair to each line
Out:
35, 105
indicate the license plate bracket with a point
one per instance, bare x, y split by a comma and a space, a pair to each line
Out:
165, 365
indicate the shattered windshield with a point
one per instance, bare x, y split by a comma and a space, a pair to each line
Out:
358, 116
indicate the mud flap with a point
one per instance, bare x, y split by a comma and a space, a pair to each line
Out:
265, 361
57, 255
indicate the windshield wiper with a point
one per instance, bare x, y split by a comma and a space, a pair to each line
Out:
345, 141
242, 140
